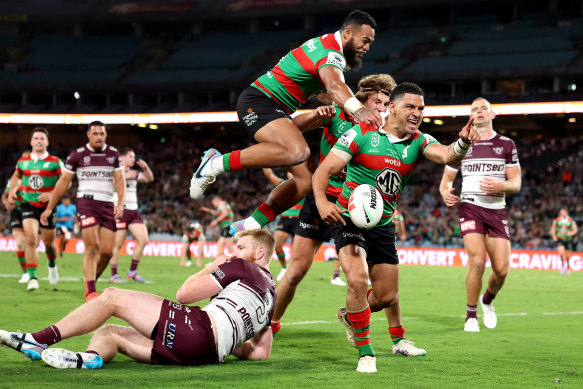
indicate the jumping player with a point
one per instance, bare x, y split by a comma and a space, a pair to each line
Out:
131, 219
563, 230
193, 233
96, 165
264, 110
65, 218
38, 174
223, 218
383, 158
490, 170
162, 332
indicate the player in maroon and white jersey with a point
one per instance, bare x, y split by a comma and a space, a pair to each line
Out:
96, 165
234, 322
131, 219
490, 170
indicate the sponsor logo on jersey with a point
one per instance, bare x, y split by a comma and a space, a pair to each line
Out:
219, 274
429, 138
483, 167
35, 182
170, 335
336, 59
88, 221
347, 138
311, 45
352, 235
394, 162
405, 151
389, 182
247, 322
498, 150
250, 119
307, 226
469, 225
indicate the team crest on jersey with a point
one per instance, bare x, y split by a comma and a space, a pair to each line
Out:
405, 151
389, 182
87, 159
110, 159
46, 165
375, 140
25, 164
498, 150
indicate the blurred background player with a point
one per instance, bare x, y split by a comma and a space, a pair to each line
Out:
399, 221
373, 251
286, 223
96, 165
16, 226
65, 216
490, 170
264, 110
563, 230
193, 233
131, 219
37, 175
223, 218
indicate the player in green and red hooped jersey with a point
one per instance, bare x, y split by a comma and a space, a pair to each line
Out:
16, 225
38, 174
563, 230
264, 110
223, 218
384, 159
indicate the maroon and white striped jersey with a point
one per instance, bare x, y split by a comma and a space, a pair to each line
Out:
486, 158
94, 171
244, 306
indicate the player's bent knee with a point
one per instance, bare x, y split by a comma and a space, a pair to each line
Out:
297, 155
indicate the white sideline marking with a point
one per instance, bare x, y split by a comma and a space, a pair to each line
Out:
75, 279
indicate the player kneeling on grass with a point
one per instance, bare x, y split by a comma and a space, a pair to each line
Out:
235, 321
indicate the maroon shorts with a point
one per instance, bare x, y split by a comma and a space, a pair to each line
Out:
129, 217
95, 213
183, 336
476, 219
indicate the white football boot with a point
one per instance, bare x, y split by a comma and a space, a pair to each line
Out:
488, 314
202, 177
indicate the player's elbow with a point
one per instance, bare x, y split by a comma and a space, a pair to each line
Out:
181, 296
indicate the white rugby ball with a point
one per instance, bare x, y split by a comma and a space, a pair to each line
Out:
365, 206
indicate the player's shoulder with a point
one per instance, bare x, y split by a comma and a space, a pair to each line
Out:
423, 137
53, 158
112, 148
503, 139
366, 129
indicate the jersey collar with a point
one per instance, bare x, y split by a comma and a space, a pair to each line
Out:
339, 40
35, 158
392, 138
102, 150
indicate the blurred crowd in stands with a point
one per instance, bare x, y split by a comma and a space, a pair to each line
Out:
552, 178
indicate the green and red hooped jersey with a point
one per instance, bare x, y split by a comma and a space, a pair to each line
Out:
333, 129
295, 77
563, 227
230, 216
381, 160
398, 218
38, 176
18, 193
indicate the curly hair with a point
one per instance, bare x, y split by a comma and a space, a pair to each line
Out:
375, 83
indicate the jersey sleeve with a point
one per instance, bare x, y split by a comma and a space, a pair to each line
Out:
350, 142
512, 154
61, 166
332, 58
18, 169
426, 140
117, 164
72, 162
228, 272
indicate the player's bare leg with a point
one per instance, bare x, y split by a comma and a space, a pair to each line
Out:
199, 257
401, 345
90, 236
48, 237
476, 250
120, 236
30, 228
280, 238
564, 257
20, 239
107, 240
303, 251
336, 280
499, 251
111, 338
140, 232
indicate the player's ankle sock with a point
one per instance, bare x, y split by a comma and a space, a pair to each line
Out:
134, 265
52, 260
488, 297
113, 270
90, 287
31, 269
48, 336
275, 326
336, 274
281, 256
397, 333
263, 215
229, 163
360, 323
471, 312
21, 260
92, 352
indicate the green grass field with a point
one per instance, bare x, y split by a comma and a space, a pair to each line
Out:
538, 341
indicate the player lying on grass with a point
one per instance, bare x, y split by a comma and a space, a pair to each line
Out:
162, 332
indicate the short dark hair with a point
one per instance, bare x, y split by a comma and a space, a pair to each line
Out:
359, 18
39, 129
95, 123
405, 87
125, 151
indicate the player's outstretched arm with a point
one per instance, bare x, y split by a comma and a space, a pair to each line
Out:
340, 93
315, 118
328, 210
146, 176
256, 348
455, 152
446, 187
62, 185
200, 286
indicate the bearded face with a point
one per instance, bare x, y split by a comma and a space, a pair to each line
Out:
352, 55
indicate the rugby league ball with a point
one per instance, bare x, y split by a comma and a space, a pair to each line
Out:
365, 206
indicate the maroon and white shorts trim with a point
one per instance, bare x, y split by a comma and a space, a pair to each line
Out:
129, 217
95, 213
184, 336
485, 221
